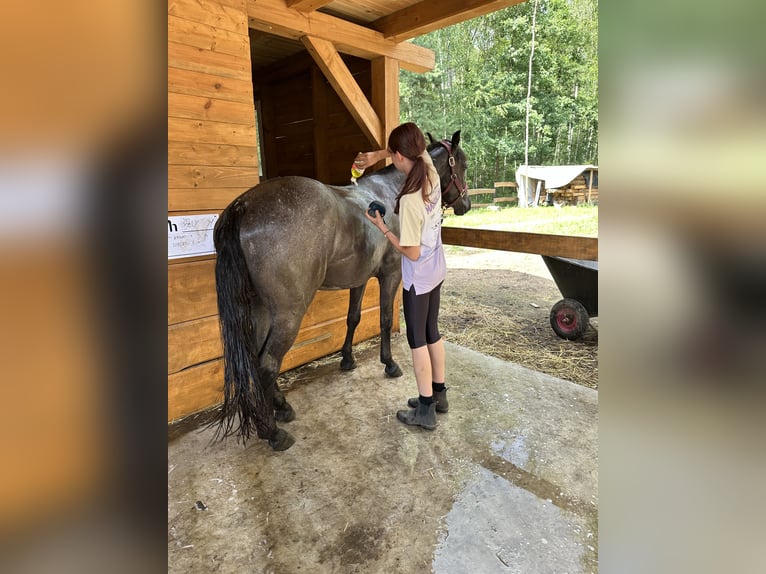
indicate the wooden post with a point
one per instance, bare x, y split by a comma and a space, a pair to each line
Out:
385, 96
590, 184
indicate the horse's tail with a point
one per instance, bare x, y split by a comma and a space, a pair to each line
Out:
242, 392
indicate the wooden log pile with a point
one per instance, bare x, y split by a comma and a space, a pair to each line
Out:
578, 191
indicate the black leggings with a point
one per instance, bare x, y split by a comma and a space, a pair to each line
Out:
421, 313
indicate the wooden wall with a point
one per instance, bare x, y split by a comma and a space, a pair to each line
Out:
212, 153
195, 368
212, 158
307, 129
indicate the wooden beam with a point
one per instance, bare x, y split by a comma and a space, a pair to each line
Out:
307, 5
337, 73
431, 15
537, 243
385, 96
274, 17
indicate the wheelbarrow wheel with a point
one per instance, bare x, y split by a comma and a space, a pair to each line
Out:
569, 319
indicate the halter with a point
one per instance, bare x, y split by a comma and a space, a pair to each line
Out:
460, 186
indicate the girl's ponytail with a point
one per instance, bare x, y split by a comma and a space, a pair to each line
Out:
408, 140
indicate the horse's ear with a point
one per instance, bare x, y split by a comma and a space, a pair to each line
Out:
430, 137
456, 139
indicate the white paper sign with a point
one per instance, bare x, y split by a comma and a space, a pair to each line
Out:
190, 235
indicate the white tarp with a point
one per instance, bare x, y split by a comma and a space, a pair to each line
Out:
535, 180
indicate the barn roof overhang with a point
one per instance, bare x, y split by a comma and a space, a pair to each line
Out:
369, 29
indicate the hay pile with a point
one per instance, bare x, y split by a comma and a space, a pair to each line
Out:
530, 343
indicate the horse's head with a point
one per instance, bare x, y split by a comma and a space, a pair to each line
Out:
450, 161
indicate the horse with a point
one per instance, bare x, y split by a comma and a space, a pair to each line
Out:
280, 242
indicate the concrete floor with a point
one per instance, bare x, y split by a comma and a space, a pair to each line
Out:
506, 483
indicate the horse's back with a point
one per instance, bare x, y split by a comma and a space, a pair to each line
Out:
288, 195
288, 232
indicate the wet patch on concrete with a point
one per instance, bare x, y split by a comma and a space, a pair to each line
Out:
495, 526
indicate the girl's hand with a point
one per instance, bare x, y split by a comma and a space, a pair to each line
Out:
377, 220
365, 159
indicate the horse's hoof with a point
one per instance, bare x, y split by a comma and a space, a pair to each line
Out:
282, 440
393, 370
347, 365
285, 414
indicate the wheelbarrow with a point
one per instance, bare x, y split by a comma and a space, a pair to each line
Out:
577, 279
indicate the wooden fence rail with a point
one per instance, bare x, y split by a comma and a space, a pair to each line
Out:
496, 200
537, 243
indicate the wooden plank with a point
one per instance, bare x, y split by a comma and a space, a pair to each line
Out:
193, 342
240, 5
307, 5
207, 37
203, 131
212, 109
429, 15
184, 260
506, 200
480, 191
191, 291
195, 389
506, 184
190, 58
541, 244
337, 73
209, 85
184, 201
211, 176
191, 153
210, 12
272, 16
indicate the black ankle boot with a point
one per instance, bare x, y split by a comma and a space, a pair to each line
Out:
422, 416
440, 398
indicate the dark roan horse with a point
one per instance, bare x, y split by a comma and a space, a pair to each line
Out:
280, 242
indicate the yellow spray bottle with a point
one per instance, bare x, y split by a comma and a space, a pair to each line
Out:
356, 172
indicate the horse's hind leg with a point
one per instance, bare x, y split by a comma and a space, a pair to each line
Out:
355, 296
277, 344
389, 283
283, 412
278, 439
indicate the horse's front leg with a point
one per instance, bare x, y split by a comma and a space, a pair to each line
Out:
355, 296
389, 283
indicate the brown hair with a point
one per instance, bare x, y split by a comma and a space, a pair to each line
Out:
408, 140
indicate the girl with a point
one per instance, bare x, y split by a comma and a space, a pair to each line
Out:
423, 266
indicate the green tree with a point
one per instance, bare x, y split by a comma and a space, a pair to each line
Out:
479, 85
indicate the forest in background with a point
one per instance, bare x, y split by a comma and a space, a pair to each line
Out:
479, 86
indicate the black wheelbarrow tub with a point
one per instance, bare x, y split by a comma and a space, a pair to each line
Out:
577, 279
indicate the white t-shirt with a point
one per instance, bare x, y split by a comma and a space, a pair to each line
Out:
421, 224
